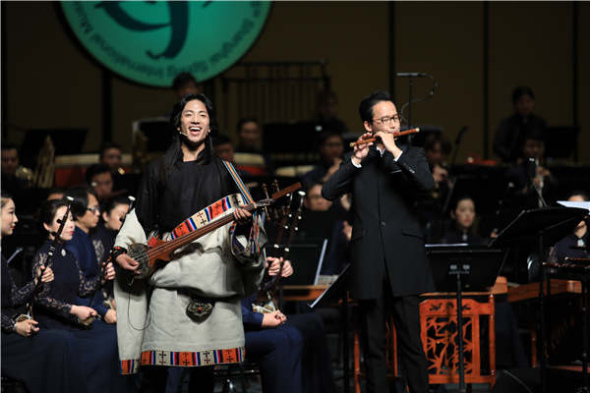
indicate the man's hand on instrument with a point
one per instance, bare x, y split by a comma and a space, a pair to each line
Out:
273, 319
47, 275
275, 266
361, 149
109, 272
27, 327
388, 141
127, 263
242, 216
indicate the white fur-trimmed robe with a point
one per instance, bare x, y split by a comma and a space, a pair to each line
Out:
161, 333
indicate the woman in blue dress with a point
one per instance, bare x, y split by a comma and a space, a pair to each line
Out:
57, 308
43, 360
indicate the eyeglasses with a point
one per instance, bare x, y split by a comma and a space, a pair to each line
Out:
95, 209
389, 119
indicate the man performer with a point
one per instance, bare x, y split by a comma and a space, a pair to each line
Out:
388, 259
193, 315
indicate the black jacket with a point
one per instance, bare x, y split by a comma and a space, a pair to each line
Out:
387, 241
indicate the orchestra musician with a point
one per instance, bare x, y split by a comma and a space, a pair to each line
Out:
86, 212
103, 236
193, 318
44, 360
58, 307
574, 245
388, 260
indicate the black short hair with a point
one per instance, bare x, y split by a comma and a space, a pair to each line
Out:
96, 169
581, 193
245, 120
221, 140
433, 139
183, 79
322, 137
80, 196
9, 146
521, 91
108, 145
367, 104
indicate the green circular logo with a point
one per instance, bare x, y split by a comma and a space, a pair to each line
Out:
150, 42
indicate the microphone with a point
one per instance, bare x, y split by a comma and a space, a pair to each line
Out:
462, 131
532, 168
411, 74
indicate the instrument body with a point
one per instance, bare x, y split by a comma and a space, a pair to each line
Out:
159, 251
374, 139
266, 297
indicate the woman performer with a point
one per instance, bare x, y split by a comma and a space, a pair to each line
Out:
44, 360
58, 308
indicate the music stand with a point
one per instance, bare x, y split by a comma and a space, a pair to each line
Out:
543, 227
336, 291
459, 267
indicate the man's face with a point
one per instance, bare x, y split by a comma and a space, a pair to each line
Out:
194, 122
332, 149
250, 134
525, 105
533, 149
385, 118
112, 158
314, 200
102, 184
225, 151
9, 161
90, 218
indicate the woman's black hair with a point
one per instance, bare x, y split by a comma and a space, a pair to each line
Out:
114, 202
460, 198
4, 198
174, 153
80, 203
48, 209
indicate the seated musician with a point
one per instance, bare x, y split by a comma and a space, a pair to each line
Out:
103, 236
291, 350
564, 312
44, 360
574, 245
100, 179
462, 226
58, 308
529, 178
86, 212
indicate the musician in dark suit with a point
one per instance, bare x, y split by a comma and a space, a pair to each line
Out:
388, 259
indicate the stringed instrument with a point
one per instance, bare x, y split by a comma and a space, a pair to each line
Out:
161, 251
56, 240
265, 299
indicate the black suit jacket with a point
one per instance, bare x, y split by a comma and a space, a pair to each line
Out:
387, 240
